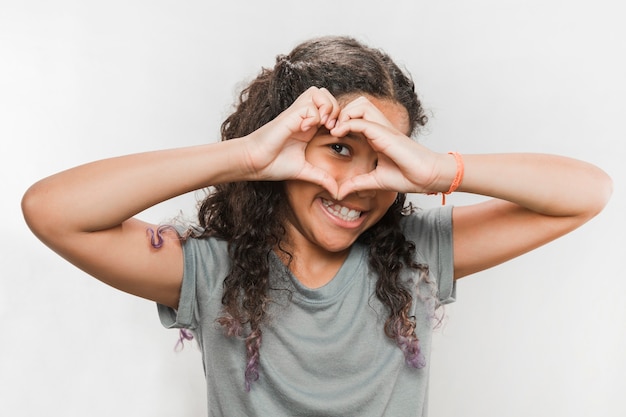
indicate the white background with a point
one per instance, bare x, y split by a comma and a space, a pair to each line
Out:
543, 335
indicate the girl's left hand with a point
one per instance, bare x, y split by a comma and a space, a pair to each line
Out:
403, 164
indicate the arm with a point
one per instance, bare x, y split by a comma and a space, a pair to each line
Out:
86, 213
536, 198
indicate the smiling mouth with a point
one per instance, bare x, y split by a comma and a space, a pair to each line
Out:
342, 212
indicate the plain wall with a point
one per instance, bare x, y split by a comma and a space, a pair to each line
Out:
543, 335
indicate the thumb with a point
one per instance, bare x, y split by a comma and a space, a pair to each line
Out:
320, 177
357, 183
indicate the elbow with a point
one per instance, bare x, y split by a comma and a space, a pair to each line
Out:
29, 205
605, 191
34, 211
600, 194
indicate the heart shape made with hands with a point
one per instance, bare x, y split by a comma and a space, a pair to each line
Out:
402, 165
383, 126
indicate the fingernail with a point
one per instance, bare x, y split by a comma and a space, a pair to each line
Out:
323, 120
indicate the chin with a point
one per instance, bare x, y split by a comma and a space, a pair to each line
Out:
337, 246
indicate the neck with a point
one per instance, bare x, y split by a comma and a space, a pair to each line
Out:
312, 266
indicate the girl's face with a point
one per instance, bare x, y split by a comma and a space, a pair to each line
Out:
319, 222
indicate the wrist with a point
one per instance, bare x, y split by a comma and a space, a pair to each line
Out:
244, 157
450, 176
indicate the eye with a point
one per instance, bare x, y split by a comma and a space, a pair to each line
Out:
340, 149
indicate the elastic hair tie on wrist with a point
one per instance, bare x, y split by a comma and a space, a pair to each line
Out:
460, 170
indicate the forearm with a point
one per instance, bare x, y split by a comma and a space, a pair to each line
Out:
546, 184
103, 194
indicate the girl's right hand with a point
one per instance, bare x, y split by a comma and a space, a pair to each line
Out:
275, 152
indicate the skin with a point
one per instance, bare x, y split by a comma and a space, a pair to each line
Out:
536, 198
315, 230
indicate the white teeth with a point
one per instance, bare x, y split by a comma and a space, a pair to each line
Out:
342, 212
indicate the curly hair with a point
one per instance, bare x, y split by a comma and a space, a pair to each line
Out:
249, 215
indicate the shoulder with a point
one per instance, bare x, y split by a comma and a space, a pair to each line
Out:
196, 242
204, 250
423, 225
431, 232
203, 255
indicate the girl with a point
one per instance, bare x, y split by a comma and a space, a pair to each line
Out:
309, 283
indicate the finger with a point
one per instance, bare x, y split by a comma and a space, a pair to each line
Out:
379, 136
310, 117
358, 183
317, 107
363, 108
327, 106
320, 177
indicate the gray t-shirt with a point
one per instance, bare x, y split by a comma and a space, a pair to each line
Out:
324, 351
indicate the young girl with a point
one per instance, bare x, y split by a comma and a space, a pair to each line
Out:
309, 282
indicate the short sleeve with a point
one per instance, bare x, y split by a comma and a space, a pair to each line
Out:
431, 231
205, 265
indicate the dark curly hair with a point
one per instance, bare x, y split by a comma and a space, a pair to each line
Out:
249, 215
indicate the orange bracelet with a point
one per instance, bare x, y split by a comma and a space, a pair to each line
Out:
460, 170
